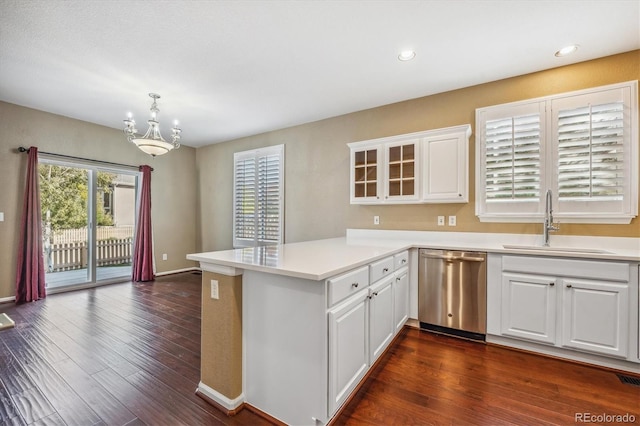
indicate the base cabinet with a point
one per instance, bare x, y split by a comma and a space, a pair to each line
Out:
401, 298
349, 349
308, 344
381, 327
529, 307
576, 305
362, 326
596, 316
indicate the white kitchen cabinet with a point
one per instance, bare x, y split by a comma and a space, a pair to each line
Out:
446, 166
381, 325
573, 305
366, 173
422, 167
348, 347
401, 297
362, 326
529, 307
402, 171
596, 316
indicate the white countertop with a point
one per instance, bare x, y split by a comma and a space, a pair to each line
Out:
321, 259
313, 260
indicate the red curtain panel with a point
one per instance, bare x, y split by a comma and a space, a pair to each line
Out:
30, 283
143, 245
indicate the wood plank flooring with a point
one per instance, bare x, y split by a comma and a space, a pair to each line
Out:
129, 354
122, 354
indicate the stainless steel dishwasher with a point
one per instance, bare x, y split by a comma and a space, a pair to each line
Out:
452, 292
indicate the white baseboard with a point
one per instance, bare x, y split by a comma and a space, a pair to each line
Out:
176, 271
7, 299
218, 398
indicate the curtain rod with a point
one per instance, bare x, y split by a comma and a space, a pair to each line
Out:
23, 149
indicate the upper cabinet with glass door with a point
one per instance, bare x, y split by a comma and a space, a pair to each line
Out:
365, 172
406, 169
401, 166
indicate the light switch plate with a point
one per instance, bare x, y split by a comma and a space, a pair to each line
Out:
376, 220
1, 216
440, 220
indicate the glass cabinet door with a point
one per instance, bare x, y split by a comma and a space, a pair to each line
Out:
401, 172
365, 174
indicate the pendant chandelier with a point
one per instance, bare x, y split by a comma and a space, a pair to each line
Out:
152, 142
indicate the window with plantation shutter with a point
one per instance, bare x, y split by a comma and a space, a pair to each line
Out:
512, 158
258, 194
591, 152
583, 146
510, 161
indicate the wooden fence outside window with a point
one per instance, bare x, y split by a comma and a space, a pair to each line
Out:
66, 252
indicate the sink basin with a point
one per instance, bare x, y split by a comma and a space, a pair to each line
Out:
556, 249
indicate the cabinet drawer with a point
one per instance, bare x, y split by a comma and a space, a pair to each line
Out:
401, 259
347, 284
380, 268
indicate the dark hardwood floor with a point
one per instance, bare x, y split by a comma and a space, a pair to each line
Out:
129, 354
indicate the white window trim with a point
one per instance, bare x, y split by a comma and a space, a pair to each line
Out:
548, 155
257, 153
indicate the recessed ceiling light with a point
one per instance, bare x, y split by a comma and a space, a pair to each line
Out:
406, 55
567, 50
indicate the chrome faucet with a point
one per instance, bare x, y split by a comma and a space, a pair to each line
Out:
548, 219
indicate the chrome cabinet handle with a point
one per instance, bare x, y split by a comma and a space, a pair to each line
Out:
569, 286
404, 261
354, 285
552, 284
385, 270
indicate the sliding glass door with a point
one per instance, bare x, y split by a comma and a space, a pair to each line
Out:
88, 223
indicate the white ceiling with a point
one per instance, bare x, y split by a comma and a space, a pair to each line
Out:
227, 69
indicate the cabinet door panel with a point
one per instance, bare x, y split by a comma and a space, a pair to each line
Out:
401, 169
381, 323
348, 349
401, 298
529, 307
596, 316
365, 185
445, 169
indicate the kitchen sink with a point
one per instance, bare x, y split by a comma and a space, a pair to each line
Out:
555, 249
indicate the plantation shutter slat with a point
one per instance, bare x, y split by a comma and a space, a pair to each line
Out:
591, 163
512, 158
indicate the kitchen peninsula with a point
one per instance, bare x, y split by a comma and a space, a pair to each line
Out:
292, 329
271, 312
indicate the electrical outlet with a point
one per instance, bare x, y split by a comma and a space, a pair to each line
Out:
440, 220
452, 221
1, 216
376, 220
214, 289
164, 256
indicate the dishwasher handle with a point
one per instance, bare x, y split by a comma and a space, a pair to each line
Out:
452, 258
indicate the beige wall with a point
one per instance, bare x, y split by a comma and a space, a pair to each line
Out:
173, 181
317, 160
316, 172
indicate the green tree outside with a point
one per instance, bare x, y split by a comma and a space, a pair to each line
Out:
64, 197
